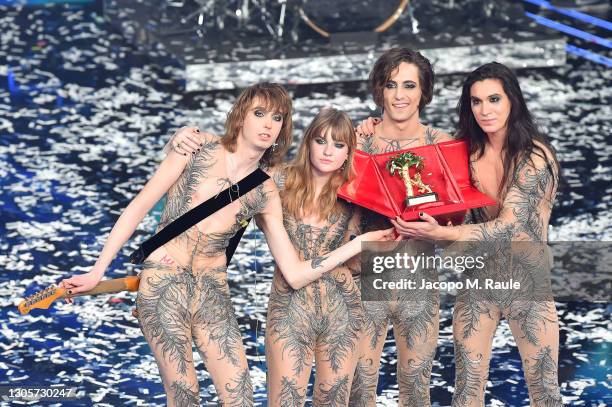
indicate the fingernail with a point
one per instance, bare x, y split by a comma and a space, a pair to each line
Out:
69, 291
201, 144
198, 150
420, 213
184, 153
193, 152
197, 130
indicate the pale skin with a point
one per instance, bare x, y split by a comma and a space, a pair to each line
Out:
175, 276
491, 108
186, 142
522, 215
247, 156
415, 328
400, 126
330, 305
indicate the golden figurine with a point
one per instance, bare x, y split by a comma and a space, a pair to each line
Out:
402, 164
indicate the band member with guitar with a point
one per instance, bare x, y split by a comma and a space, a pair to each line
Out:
183, 295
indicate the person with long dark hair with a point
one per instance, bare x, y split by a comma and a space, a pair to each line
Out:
513, 162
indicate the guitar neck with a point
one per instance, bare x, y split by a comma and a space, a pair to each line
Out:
113, 286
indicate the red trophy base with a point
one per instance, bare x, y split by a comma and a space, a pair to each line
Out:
446, 171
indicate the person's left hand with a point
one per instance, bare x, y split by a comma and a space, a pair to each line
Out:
366, 128
428, 229
187, 140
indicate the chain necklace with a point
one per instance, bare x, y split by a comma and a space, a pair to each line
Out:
223, 182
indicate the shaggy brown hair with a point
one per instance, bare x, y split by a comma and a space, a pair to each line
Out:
274, 98
389, 61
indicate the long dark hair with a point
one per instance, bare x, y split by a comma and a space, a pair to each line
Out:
522, 132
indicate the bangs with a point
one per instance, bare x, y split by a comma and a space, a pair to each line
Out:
298, 195
273, 101
334, 121
342, 131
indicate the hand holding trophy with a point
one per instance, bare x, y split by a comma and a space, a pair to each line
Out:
402, 164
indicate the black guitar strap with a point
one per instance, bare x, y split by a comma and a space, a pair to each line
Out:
233, 243
200, 212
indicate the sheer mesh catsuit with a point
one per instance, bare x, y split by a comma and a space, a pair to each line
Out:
320, 321
516, 232
183, 296
415, 321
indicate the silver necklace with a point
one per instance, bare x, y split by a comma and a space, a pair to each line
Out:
224, 181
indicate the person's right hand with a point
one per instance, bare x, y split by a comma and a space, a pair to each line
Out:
187, 140
383, 235
80, 283
366, 128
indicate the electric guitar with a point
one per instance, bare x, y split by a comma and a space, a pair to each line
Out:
43, 299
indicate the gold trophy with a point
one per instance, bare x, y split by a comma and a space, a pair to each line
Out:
402, 164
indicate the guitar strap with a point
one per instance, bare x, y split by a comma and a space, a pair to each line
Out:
200, 212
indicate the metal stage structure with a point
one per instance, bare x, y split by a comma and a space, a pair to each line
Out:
231, 44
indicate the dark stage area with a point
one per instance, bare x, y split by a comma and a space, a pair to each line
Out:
455, 37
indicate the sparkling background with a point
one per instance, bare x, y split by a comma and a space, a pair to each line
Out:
83, 119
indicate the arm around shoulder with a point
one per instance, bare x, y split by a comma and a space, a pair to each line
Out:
167, 173
187, 141
433, 136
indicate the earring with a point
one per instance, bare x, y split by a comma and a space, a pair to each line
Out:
274, 147
344, 165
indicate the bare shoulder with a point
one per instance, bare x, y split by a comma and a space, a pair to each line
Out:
366, 143
278, 174
541, 157
537, 171
207, 152
270, 189
269, 199
546, 149
208, 137
433, 135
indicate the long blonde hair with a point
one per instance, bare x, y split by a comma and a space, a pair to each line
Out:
299, 189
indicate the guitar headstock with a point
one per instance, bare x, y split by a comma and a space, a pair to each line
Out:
42, 299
